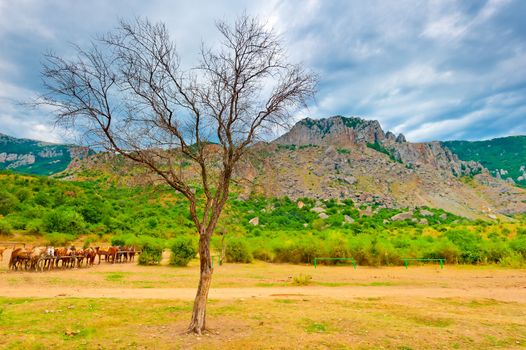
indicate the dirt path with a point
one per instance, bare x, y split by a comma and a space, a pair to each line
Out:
501, 294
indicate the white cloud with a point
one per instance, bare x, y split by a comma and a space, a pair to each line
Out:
430, 69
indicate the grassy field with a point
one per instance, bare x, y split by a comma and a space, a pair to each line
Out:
281, 323
259, 306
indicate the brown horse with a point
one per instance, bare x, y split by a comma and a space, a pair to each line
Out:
131, 254
34, 257
90, 254
102, 252
19, 258
66, 256
112, 253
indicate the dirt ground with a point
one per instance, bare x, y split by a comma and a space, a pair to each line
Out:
422, 307
264, 280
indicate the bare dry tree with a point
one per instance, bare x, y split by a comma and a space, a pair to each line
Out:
127, 92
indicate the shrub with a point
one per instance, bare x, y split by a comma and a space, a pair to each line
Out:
35, 227
183, 250
58, 239
336, 248
152, 250
494, 252
8, 202
296, 252
5, 228
64, 220
514, 261
360, 248
301, 280
469, 244
519, 246
263, 254
386, 254
121, 241
237, 251
443, 250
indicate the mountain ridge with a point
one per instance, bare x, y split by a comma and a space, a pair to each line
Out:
346, 158
37, 157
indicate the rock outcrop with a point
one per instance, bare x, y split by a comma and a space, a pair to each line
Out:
35, 157
355, 132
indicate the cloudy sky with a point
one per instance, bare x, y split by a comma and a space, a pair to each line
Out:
434, 70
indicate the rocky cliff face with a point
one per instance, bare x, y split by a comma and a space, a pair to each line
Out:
355, 132
353, 158
34, 157
335, 130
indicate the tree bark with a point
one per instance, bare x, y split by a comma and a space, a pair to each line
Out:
197, 324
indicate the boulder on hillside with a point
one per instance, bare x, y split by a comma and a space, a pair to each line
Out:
443, 217
347, 219
318, 210
300, 204
368, 211
426, 213
330, 151
423, 222
402, 216
254, 221
323, 216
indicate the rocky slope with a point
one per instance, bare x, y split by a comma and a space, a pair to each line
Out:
353, 158
346, 158
504, 157
35, 157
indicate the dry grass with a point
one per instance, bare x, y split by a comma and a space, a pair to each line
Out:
342, 308
282, 323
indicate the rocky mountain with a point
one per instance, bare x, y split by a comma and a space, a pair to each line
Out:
341, 157
347, 158
354, 132
504, 157
36, 157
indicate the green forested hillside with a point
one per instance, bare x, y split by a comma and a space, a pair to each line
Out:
35, 157
58, 212
506, 155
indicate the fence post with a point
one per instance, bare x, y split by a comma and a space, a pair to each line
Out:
314, 262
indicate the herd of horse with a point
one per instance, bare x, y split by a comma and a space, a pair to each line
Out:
48, 258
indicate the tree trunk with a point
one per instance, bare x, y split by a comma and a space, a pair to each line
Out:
197, 325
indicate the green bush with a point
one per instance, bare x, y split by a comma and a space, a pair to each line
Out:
301, 280
238, 251
443, 250
5, 228
360, 248
58, 239
151, 250
263, 254
514, 261
183, 250
519, 246
8, 202
468, 243
64, 220
302, 251
494, 252
35, 227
